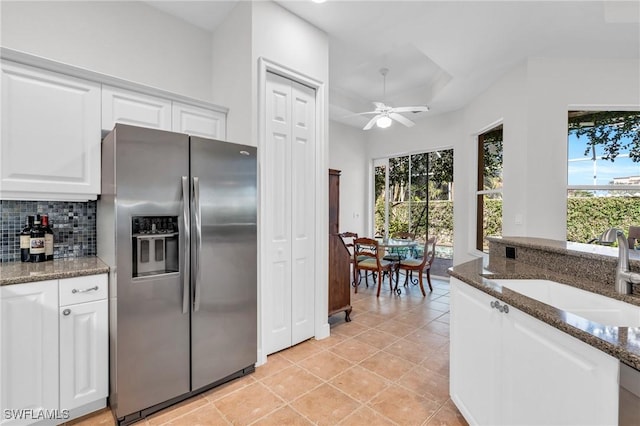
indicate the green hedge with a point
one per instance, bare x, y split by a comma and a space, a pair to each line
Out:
586, 217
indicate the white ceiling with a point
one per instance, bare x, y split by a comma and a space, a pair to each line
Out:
442, 53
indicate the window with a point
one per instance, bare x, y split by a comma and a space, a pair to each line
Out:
603, 179
489, 189
414, 193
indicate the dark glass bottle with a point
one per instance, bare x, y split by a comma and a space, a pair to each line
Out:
48, 237
25, 240
36, 249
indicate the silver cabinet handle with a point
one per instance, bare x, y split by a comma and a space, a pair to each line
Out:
186, 269
75, 290
198, 219
502, 308
66, 312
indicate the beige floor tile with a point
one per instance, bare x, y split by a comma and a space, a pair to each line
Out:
275, 363
325, 365
370, 319
438, 363
354, 350
301, 350
437, 327
359, 383
367, 417
284, 416
330, 341
207, 415
102, 418
448, 415
291, 382
426, 383
248, 404
387, 365
376, 338
403, 406
432, 340
178, 410
397, 328
349, 329
229, 387
444, 318
407, 350
325, 405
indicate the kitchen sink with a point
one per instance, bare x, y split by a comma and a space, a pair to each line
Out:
594, 307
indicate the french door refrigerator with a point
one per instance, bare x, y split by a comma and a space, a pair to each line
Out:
177, 226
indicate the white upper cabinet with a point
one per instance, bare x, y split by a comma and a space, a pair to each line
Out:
127, 107
198, 121
50, 138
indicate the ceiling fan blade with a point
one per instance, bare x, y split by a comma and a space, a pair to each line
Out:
402, 120
371, 122
379, 105
359, 113
421, 108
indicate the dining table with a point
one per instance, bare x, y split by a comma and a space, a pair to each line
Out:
397, 246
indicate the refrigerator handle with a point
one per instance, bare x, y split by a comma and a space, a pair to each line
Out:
186, 269
198, 219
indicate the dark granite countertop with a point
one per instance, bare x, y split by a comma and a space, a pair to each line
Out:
620, 342
19, 272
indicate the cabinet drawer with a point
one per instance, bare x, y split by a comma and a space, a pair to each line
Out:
83, 289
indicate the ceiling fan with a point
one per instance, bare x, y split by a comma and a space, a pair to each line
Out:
385, 114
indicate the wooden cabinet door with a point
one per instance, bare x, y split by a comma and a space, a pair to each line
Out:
28, 349
196, 121
84, 353
50, 138
137, 109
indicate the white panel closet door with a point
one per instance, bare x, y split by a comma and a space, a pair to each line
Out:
303, 216
289, 216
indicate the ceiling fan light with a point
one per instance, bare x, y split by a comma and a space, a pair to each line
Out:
383, 122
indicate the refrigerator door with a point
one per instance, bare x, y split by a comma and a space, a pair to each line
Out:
224, 260
152, 344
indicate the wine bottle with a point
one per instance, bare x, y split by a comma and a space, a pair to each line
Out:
25, 237
36, 248
48, 237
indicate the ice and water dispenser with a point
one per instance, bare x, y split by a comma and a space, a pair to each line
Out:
154, 245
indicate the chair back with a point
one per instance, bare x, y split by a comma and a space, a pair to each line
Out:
404, 236
366, 248
429, 252
348, 238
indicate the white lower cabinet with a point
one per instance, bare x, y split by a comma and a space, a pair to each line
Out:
84, 349
54, 350
508, 368
28, 351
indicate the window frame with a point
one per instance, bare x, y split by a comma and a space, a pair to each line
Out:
480, 192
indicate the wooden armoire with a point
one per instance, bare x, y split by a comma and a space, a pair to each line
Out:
339, 256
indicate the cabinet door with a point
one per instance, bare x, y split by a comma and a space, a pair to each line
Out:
475, 354
50, 138
550, 377
28, 349
127, 107
196, 121
84, 349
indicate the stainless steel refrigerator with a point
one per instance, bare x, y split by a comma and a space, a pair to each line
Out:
177, 226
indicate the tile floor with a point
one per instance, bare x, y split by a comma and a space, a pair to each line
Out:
388, 366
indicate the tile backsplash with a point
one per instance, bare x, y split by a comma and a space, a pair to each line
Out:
74, 227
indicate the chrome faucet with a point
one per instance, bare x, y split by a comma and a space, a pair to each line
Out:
624, 277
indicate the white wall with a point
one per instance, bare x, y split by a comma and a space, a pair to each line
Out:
234, 71
531, 101
129, 40
347, 148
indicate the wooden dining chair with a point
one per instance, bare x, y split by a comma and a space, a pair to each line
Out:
421, 265
368, 257
400, 253
348, 238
